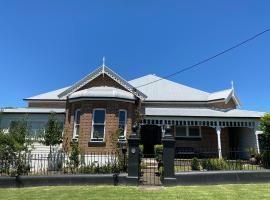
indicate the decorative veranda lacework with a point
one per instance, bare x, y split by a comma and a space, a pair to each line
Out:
61, 163
202, 122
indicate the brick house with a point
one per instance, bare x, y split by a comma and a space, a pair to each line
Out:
103, 102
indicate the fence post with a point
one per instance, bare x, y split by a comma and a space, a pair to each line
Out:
133, 157
168, 142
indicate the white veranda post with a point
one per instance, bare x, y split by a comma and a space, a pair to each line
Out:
218, 131
257, 140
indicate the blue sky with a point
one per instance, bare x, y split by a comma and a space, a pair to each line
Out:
46, 45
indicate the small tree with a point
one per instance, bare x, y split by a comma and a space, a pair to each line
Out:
15, 145
74, 156
53, 132
265, 128
265, 140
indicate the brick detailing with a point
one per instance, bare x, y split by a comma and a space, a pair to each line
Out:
102, 81
47, 104
112, 109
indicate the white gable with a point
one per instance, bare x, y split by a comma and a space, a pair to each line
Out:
102, 70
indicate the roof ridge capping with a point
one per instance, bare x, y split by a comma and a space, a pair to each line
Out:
103, 70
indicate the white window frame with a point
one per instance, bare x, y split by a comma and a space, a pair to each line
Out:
125, 129
75, 123
35, 130
187, 132
104, 124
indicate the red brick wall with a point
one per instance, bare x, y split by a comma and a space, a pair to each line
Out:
102, 81
112, 109
208, 140
47, 104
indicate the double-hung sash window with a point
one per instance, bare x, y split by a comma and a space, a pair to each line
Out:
76, 130
122, 124
98, 125
188, 131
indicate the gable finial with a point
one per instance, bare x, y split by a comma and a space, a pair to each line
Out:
103, 61
232, 83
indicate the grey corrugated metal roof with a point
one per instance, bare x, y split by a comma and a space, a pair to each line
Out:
166, 90
200, 112
219, 95
53, 95
163, 90
32, 110
102, 92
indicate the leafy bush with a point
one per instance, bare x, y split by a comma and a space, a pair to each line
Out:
235, 165
158, 152
100, 169
158, 149
215, 164
161, 172
141, 148
252, 151
74, 155
258, 158
195, 164
266, 159
14, 147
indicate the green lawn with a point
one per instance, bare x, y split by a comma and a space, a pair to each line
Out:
219, 192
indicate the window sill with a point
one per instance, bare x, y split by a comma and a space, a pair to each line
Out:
122, 141
189, 138
96, 144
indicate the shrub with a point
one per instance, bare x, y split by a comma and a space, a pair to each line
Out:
252, 151
161, 172
158, 152
158, 149
266, 159
237, 165
100, 169
258, 158
265, 128
195, 164
74, 158
141, 148
215, 164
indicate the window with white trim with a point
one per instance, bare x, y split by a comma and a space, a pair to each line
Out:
76, 129
122, 124
188, 131
98, 125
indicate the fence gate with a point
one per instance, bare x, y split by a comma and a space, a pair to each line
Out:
149, 170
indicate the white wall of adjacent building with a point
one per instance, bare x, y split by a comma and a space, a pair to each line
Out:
37, 123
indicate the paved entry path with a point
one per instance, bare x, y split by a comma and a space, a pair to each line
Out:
149, 170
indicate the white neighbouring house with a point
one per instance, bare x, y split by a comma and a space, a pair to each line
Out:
103, 101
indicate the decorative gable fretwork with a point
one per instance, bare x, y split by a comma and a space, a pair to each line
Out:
103, 70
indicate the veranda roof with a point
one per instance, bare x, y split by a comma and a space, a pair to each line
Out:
201, 112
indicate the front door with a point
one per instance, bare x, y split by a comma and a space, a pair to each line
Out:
150, 136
